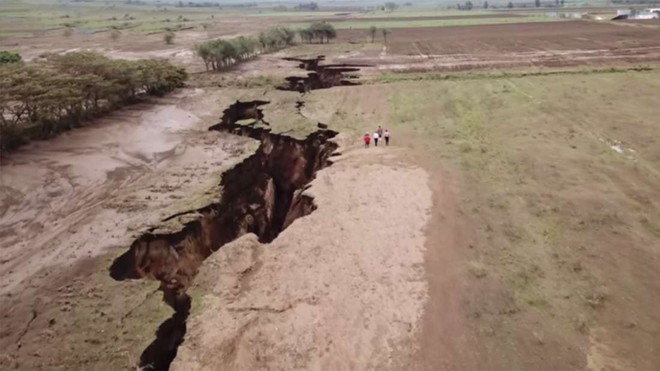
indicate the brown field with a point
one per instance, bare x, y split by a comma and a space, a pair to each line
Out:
647, 22
414, 18
572, 43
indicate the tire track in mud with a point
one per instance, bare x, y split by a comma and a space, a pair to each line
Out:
263, 195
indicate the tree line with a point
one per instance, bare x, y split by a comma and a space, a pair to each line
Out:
58, 92
468, 5
318, 31
221, 53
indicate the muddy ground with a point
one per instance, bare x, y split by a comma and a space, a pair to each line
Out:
69, 203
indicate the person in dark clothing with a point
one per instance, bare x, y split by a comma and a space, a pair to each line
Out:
386, 135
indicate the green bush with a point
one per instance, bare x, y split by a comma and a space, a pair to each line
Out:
9, 57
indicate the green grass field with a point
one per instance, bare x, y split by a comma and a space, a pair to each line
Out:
555, 172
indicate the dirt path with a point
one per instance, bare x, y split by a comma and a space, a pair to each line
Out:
316, 298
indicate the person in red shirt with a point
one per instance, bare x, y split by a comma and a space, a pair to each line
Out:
367, 139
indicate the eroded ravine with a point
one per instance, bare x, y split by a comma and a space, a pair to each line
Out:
321, 76
262, 195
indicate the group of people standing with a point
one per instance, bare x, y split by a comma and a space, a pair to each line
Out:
378, 134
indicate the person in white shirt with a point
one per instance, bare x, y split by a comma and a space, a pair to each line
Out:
387, 137
376, 137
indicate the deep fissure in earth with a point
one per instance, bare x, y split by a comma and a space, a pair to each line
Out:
321, 76
262, 195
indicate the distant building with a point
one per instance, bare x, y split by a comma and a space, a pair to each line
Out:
653, 13
646, 15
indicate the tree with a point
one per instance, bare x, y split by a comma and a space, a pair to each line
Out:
468, 5
169, 37
306, 35
391, 6
329, 32
561, 2
510, 5
385, 32
321, 31
372, 32
485, 4
537, 3
203, 51
308, 6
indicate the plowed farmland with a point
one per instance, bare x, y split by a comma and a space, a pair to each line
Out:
548, 44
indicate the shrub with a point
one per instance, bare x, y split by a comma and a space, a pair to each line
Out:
9, 57
169, 37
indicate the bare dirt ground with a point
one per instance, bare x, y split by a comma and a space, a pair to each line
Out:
574, 43
313, 299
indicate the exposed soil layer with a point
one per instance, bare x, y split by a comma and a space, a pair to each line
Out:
261, 195
243, 111
548, 44
321, 76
